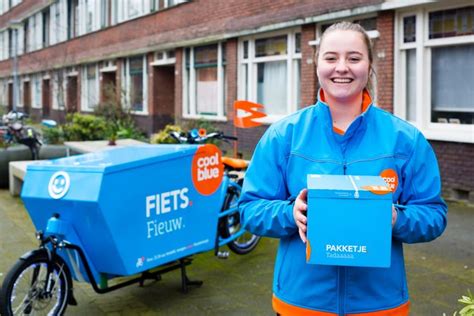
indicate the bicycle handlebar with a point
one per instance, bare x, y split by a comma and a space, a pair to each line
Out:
192, 137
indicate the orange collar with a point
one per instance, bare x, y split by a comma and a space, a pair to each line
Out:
366, 101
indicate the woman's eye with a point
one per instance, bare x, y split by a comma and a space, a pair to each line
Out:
330, 58
354, 59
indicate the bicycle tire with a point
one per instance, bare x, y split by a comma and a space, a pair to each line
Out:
230, 224
15, 302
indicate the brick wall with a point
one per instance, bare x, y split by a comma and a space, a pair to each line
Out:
383, 50
189, 21
455, 164
309, 80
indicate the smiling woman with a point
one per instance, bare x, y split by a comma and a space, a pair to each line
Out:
342, 134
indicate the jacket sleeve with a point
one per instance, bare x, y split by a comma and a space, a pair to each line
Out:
421, 210
267, 209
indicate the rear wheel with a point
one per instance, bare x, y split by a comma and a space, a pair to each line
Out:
231, 224
30, 289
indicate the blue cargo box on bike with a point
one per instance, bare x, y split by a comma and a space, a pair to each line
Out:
131, 209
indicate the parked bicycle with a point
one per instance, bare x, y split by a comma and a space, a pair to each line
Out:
234, 170
135, 212
15, 131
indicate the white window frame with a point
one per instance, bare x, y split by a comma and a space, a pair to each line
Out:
126, 83
189, 92
165, 60
86, 105
291, 58
434, 131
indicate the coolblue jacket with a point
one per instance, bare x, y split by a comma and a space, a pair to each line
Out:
304, 143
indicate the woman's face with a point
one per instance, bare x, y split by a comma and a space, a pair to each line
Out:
343, 65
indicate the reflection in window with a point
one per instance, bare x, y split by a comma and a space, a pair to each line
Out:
411, 85
409, 29
449, 23
271, 46
452, 90
136, 83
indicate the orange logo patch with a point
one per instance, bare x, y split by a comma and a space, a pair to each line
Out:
377, 189
207, 169
308, 251
391, 178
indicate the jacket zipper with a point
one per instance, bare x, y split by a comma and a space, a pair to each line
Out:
342, 271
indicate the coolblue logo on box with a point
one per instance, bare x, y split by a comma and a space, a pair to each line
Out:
59, 184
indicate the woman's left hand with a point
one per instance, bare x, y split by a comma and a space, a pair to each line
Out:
394, 215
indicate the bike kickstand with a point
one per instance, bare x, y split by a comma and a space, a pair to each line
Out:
185, 281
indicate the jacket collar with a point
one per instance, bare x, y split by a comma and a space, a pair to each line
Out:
366, 106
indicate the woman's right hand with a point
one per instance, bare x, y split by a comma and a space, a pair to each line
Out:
299, 213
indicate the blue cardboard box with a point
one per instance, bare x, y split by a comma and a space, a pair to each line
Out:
349, 221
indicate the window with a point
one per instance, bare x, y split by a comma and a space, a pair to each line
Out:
129, 9
36, 91
434, 71
269, 72
134, 77
3, 92
104, 13
204, 78
89, 87
4, 45
45, 30
72, 18
59, 90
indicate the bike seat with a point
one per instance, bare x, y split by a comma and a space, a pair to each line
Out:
235, 163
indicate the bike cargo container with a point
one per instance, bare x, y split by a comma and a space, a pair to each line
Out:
131, 209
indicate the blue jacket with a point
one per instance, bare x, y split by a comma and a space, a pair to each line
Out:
375, 143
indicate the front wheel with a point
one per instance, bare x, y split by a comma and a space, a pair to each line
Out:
230, 224
30, 288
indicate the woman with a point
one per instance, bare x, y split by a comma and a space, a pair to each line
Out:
343, 133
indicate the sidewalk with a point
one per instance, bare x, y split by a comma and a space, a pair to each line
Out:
438, 273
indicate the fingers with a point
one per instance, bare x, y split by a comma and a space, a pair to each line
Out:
302, 236
299, 211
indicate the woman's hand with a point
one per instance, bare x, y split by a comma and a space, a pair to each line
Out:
299, 213
394, 215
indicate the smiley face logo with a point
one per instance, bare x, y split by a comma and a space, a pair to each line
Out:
58, 185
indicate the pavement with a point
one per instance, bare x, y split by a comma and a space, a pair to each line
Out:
438, 274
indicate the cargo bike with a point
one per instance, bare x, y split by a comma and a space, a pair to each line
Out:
133, 212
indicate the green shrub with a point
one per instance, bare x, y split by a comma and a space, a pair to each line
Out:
163, 136
120, 122
81, 127
52, 135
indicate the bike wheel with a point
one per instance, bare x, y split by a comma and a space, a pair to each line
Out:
24, 288
230, 224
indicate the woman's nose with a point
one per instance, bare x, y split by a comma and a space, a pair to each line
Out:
341, 65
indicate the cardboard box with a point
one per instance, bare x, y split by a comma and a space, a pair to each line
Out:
349, 221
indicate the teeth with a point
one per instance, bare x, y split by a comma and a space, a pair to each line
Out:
342, 80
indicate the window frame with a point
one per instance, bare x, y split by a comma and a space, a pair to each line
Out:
250, 87
126, 82
189, 92
85, 102
423, 45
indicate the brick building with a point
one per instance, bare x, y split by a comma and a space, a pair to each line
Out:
185, 60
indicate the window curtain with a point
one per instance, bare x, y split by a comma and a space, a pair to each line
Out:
271, 87
452, 78
206, 90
